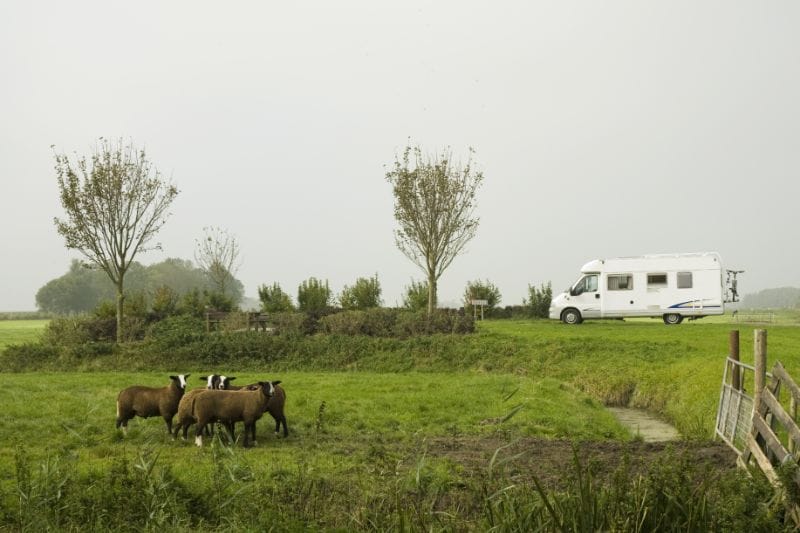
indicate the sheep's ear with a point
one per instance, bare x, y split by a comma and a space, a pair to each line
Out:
174, 377
186, 376
231, 379
276, 383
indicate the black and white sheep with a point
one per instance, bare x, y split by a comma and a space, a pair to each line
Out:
184, 414
145, 402
229, 407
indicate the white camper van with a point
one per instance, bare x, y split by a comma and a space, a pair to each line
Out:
671, 286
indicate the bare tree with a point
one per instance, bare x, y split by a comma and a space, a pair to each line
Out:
434, 205
217, 254
115, 203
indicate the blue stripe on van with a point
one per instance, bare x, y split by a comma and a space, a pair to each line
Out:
685, 305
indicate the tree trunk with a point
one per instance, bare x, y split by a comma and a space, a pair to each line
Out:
120, 305
431, 294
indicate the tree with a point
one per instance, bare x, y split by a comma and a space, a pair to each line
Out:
434, 204
365, 294
538, 301
480, 290
115, 204
273, 299
416, 296
313, 296
217, 254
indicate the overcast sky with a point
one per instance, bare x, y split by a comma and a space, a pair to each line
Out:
602, 129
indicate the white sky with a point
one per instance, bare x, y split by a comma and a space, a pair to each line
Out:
603, 129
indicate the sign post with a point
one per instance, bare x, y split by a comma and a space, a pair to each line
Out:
475, 304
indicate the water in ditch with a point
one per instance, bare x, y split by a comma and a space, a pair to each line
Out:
645, 425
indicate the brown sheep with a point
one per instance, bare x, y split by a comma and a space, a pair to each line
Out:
274, 406
229, 407
145, 402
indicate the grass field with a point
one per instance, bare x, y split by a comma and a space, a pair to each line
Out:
19, 331
362, 441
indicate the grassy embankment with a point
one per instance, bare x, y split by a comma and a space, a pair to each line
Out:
362, 434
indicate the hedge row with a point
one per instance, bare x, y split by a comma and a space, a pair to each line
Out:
342, 340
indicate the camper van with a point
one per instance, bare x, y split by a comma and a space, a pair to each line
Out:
670, 286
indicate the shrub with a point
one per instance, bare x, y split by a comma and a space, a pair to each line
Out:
28, 356
396, 323
416, 296
538, 302
165, 302
481, 290
176, 331
274, 300
313, 296
365, 294
289, 323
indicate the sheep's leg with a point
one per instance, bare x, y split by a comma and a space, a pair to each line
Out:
246, 435
198, 433
285, 429
168, 421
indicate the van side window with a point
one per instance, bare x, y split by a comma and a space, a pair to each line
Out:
684, 280
655, 281
620, 282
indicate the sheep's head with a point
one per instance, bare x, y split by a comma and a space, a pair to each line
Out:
180, 380
267, 387
212, 381
225, 382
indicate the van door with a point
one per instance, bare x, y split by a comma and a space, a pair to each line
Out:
585, 297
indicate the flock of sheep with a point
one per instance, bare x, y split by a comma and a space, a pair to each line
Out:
218, 401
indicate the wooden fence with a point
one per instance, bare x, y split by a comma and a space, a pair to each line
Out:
238, 321
761, 428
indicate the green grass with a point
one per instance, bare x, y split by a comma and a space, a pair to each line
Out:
357, 455
20, 331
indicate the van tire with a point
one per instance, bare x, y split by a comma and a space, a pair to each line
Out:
571, 316
672, 318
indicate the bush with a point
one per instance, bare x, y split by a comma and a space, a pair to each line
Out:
416, 296
274, 300
28, 356
365, 294
289, 323
481, 290
382, 322
538, 302
313, 296
176, 331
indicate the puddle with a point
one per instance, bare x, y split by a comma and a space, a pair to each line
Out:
643, 423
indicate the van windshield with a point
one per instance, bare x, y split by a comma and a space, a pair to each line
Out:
587, 283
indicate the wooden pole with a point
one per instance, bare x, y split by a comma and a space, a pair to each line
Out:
760, 352
733, 341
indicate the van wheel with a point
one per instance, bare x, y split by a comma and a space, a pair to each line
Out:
673, 318
571, 316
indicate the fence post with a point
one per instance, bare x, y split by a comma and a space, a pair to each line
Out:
760, 351
733, 341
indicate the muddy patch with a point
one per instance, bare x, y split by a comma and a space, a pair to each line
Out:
644, 425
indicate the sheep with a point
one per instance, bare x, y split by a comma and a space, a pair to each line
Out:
274, 406
229, 407
148, 401
185, 418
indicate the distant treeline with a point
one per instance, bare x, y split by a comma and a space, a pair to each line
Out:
82, 289
780, 298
